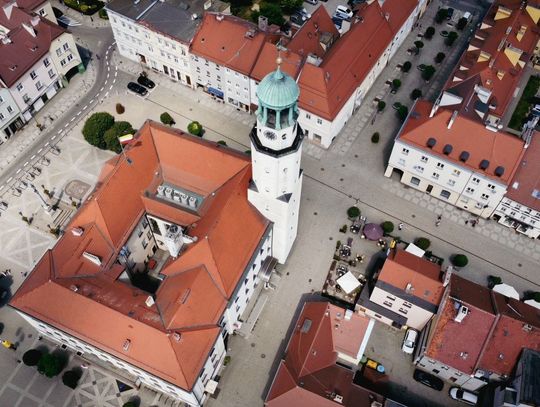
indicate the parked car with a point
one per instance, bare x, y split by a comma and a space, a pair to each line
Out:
314, 2
428, 380
147, 83
467, 16
344, 11
303, 12
338, 22
136, 88
463, 395
409, 342
297, 19
449, 13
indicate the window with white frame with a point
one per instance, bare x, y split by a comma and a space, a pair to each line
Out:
435, 175
485, 197
46, 62
476, 180
20, 87
451, 182
424, 159
415, 181
456, 173
405, 150
469, 190
319, 121
9, 109
440, 165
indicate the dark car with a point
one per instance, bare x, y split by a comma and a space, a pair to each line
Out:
143, 80
449, 13
298, 19
428, 380
135, 87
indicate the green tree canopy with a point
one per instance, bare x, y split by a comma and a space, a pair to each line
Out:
452, 37
402, 112
459, 260
195, 128
49, 365
430, 31
166, 118
381, 105
31, 357
428, 72
387, 227
118, 129
415, 94
272, 12
422, 243
289, 6
71, 378
406, 66
95, 127
353, 212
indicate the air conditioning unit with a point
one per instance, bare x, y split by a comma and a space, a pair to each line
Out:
183, 198
338, 399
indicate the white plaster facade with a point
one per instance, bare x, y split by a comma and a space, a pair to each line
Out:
232, 87
45, 10
445, 179
523, 219
36, 87
10, 115
449, 374
417, 317
151, 49
64, 54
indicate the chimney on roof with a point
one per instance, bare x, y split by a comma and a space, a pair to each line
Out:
387, 16
78, 231
452, 119
30, 29
219, 17
263, 23
409, 289
6, 40
327, 76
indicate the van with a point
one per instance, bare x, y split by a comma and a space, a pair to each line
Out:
463, 395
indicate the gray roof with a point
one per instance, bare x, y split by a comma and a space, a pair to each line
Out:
530, 379
173, 18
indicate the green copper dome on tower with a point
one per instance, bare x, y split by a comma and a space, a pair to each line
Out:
277, 90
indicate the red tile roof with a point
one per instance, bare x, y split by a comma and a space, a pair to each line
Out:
309, 373
402, 268
492, 334
105, 311
229, 41
324, 89
266, 62
499, 148
526, 180
25, 49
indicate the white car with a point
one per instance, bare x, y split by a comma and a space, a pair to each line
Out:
409, 342
463, 395
345, 12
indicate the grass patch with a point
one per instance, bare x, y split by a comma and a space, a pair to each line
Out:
522, 109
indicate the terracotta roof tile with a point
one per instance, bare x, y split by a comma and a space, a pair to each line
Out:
266, 62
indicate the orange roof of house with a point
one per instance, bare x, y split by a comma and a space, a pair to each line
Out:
499, 148
486, 61
309, 372
525, 185
106, 312
266, 62
402, 268
324, 89
229, 41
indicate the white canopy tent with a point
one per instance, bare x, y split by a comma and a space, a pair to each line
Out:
348, 282
506, 290
413, 249
533, 303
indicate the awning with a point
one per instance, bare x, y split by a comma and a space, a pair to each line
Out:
506, 290
267, 267
215, 92
532, 303
413, 249
373, 231
348, 282
211, 387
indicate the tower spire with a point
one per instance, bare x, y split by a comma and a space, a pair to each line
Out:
279, 61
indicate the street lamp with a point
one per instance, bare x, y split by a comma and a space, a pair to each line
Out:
48, 208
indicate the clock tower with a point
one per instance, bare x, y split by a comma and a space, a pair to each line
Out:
276, 148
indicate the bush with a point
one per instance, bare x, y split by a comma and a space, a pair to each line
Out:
536, 296
118, 129
166, 119
428, 34
95, 127
353, 212
195, 128
493, 281
381, 105
402, 112
387, 227
103, 14
428, 72
375, 137
49, 365
31, 357
440, 57
396, 84
419, 44
343, 229
226, 360
452, 37
415, 94
87, 7
289, 6
120, 108
462, 23
222, 143
71, 379
441, 15
459, 260
271, 11
406, 67
422, 243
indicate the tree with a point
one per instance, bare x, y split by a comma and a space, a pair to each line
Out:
493, 281
222, 143
167, 119
289, 6
428, 72
406, 66
31, 357
49, 365
452, 37
459, 260
428, 34
419, 45
71, 379
118, 129
402, 112
375, 138
387, 227
195, 128
440, 57
272, 12
381, 105
441, 15
422, 243
353, 212
462, 23
415, 94
95, 127
396, 83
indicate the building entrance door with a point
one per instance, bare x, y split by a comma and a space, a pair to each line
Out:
429, 189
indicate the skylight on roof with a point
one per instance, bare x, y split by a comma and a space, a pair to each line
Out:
536, 193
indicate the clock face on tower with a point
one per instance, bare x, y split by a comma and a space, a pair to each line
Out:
270, 135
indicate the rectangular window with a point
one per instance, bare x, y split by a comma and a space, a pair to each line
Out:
388, 304
401, 161
456, 173
51, 73
485, 197
415, 181
407, 304
2, 116
476, 180
435, 175
308, 116
403, 311
59, 52
440, 165
405, 151
20, 87
390, 297
70, 57
46, 62
424, 159
66, 46
39, 85
469, 190
319, 121
62, 62
451, 182
419, 168
9, 109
